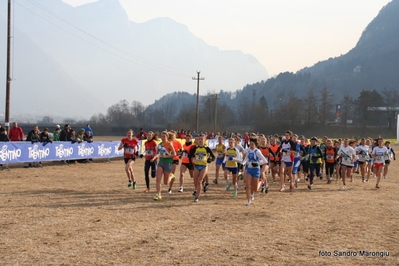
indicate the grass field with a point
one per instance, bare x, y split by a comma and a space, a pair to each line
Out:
84, 214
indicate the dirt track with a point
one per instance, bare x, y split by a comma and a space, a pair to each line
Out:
84, 214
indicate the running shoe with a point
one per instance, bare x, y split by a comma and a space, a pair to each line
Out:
228, 187
147, 190
241, 176
366, 181
377, 186
291, 188
134, 185
170, 191
180, 189
274, 180
215, 181
252, 197
296, 183
282, 189
173, 177
235, 195
157, 197
206, 187
344, 187
196, 199
195, 193
262, 189
288, 180
306, 179
385, 177
351, 179
129, 184
363, 180
310, 186
248, 204
329, 181
267, 189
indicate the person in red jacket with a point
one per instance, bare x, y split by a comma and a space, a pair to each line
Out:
16, 133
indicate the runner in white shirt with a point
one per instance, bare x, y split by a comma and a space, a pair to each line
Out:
347, 154
362, 152
379, 152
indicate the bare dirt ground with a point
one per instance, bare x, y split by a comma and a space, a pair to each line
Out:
85, 214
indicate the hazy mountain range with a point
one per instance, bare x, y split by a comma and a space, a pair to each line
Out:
77, 61
372, 64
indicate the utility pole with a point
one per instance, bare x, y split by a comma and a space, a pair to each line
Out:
197, 110
215, 96
8, 77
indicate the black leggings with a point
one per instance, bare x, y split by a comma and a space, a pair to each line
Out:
330, 169
153, 165
314, 167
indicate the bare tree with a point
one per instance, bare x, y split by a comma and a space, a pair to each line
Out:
326, 104
391, 101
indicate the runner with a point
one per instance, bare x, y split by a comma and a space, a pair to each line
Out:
200, 156
185, 161
233, 156
166, 152
362, 151
287, 147
178, 149
274, 159
129, 145
315, 158
220, 150
391, 155
252, 162
329, 159
347, 154
267, 152
323, 147
299, 154
151, 157
379, 154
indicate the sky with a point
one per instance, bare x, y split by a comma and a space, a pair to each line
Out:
283, 35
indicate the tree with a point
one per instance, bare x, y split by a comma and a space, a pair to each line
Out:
366, 99
346, 108
137, 109
119, 114
391, 101
326, 104
47, 120
310, 104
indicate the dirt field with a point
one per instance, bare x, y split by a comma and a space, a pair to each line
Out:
85, 214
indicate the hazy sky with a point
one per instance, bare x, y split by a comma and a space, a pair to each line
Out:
284, 35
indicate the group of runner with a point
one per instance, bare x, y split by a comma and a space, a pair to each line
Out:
288, 157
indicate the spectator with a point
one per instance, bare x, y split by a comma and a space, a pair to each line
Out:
56, 134
44, 136
80, 136
16, 133
88, 137
65, 134
3, 138
33, 136
88, 128
141, 135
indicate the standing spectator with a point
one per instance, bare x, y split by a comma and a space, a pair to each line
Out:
33, 136
56, 134
3, 138
141, 135
246, 140
88, 128
80, 136
88, 137
44, 137
65, 134
16, 133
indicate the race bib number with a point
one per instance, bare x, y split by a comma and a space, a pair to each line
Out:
129, 150
330, 157
200, 157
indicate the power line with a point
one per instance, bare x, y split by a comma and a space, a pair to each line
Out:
150, 65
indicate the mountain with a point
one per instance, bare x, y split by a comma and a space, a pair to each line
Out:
113, 58
40, 86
